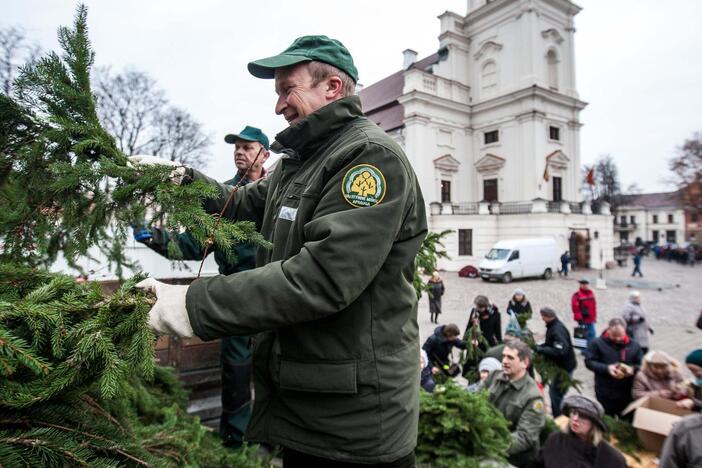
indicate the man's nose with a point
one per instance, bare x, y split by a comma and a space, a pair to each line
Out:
280, 105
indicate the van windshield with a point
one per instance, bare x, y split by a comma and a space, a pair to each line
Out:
497, 254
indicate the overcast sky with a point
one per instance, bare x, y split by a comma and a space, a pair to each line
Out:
638, 62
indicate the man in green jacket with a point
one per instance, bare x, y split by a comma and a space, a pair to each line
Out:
336, 353
517, 396
235, 353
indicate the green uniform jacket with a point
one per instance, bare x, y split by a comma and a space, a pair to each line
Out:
336, 369
523, 406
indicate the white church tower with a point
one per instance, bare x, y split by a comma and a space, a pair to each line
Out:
491, 125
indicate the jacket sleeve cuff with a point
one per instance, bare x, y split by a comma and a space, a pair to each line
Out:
191, 301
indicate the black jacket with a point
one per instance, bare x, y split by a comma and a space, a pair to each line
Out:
438, 347
522, 308
567, 450
601, 353
491, 326
558, 346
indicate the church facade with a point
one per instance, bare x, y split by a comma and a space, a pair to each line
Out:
491, 125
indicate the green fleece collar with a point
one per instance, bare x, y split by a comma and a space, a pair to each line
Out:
306, 136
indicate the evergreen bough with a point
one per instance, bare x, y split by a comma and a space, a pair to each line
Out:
78, 380
79, 385
458, 428
64, 184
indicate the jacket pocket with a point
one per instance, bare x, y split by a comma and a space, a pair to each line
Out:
319, 377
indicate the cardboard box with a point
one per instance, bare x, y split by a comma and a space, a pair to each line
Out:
653, 419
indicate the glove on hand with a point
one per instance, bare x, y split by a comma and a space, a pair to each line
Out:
177, 174
141, 233
169, 315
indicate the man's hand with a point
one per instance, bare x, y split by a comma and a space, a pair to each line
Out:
142, 233
169, 315
435, 370
614, 371
177, 174
687, 403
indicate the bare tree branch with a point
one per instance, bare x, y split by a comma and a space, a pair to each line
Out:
15, 51
128, 107
135, 110
179, 137
607, 186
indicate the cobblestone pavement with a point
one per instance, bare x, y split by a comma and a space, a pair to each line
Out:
671, 294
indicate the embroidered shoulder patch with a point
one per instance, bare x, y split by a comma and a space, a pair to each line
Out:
363, 185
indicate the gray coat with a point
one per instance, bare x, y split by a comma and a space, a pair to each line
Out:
636, 324
683, 446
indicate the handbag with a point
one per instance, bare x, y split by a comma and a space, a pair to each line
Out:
580, 336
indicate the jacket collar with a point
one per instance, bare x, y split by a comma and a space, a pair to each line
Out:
309, 134
623, 343
517, 384
241, 174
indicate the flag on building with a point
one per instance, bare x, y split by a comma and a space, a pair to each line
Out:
590, 177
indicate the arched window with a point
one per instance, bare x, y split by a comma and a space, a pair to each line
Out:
488, 77
552, 66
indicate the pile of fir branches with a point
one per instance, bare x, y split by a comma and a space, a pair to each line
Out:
458, 428
79, 385
623, 435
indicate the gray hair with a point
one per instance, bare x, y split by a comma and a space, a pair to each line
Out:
523, 350
321, 71
616, 322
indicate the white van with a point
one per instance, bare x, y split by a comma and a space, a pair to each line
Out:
519, 258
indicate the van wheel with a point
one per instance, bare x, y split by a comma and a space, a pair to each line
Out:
507, 277
548, 274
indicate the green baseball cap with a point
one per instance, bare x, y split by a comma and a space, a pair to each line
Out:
306, 49
248, 134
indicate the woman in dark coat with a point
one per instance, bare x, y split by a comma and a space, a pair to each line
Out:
520, 307
582, 444
436, 290
488, 317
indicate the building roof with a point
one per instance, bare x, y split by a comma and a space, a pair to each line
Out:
653, 200
380, 100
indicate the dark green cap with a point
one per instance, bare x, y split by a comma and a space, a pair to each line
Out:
306, 49
249, 134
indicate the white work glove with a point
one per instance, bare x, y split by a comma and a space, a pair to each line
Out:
169, 315
177, 173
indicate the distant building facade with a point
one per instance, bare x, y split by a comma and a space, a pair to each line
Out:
491, 125
660, 218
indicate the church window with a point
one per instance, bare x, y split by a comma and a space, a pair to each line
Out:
445, 191
554, 133
465, 242
491, 137
552, 62
557, 189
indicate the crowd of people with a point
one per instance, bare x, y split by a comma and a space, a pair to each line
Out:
624, 367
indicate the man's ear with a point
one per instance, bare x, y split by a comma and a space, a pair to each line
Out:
334, 87
264, 156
